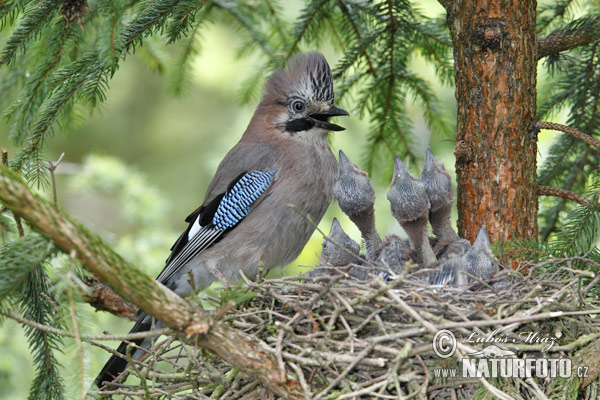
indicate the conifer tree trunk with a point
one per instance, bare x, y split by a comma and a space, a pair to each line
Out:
495, 58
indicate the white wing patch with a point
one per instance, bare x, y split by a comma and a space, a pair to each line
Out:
194, 229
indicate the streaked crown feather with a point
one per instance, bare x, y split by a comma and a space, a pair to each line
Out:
306, 76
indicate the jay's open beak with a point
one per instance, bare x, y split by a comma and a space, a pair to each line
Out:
321, 119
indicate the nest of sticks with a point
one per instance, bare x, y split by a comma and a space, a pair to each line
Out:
346, 339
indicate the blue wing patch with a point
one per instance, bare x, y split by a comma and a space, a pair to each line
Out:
234, 205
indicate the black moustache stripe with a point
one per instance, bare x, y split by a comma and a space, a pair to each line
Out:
300, 124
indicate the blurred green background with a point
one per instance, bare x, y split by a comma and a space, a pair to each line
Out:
141, 162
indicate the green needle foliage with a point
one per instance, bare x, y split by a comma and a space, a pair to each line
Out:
61, 53
566, 228
572, 164
24, 285
36, 305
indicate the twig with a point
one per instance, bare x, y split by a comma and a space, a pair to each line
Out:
302, 379
52, 167
571, 131
77, 333
363, 354
536, 389
103, 298
368, 390
15, 216
563, 193
593, 283
49, 329
137, 372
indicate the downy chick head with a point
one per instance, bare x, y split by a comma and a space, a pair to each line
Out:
298, 100
394, 253
437, 182
339, 249
353, 189
407, 195
480, 260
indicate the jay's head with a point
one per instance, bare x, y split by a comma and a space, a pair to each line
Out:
353, 189
300, 97
437, 182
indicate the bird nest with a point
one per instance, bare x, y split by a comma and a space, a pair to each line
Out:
341, 338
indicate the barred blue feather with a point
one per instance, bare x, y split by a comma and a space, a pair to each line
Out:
236, 203
233, 206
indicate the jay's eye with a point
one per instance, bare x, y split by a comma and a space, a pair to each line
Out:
298, 106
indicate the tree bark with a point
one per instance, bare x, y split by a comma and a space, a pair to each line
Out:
495, 55
103, 298
196, 325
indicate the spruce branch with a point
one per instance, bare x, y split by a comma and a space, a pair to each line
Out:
36, 304
37, 16
562, 193
8, 12
103, 298
274, 12
17, 219
180, 74
196, 325
577, 87
554, 12
581, 229
147, 21
351, 18
24, 109
578, 33
306, 19
569, 181
571, 131
97, 258
18, 258
249, 25
183, 18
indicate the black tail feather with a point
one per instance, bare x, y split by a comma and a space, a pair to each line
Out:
115, 365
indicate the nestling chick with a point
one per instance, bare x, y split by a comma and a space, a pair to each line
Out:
410, 206
456, 248
478, 262
339, 249
441, 196
356, 197
393, 254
